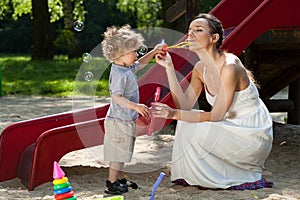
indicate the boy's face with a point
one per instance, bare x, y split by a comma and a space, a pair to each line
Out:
129, 58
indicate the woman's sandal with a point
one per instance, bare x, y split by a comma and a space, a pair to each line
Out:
133, 185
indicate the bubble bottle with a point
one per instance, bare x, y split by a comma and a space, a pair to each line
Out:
61, 184
156, 98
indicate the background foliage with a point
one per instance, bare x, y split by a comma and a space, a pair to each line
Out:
16, 21
22, 75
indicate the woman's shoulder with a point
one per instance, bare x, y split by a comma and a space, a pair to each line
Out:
235, 69
231, 59
198, 67
232, 66
198, 70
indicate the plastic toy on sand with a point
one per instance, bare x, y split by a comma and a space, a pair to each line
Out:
156, 98
61, 184
113, 198
156, 184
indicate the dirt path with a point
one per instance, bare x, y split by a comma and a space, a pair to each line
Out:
152, 155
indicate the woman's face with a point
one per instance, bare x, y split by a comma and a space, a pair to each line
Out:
199, 34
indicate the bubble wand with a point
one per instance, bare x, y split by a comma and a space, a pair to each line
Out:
156, 98
177, 46
156, 185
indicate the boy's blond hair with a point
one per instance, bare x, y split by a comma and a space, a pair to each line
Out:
119, 41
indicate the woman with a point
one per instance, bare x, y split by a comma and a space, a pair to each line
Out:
226, 147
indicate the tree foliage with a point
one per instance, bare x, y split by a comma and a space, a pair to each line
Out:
15, 16
17, 8
207, 5
55, 10
21, 7
146, 11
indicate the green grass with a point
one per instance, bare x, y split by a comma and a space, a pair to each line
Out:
59, 77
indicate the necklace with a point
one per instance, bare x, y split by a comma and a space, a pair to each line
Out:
212, 78
217, 68
221, 64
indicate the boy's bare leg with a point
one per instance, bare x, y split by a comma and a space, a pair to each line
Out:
115, 171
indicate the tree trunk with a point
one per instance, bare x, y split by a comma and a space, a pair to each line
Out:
68, 14
68, 25
42, 47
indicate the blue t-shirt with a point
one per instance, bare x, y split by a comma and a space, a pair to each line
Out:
122, 80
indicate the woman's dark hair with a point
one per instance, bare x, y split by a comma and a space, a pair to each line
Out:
214, 24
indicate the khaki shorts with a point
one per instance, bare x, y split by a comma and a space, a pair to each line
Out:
119, 141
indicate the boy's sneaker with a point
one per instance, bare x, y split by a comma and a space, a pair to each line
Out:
133, 185
115, 188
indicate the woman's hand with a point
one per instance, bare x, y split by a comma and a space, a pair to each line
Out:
161, 110
164, 60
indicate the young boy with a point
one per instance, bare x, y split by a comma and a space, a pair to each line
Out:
120, 46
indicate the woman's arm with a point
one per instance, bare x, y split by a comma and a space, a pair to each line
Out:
161, 110
183, 100
229, 80
225, 94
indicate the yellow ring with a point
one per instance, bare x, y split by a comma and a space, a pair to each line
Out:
60, 181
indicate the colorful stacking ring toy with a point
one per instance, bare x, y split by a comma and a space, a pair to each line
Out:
63, 190
72, 198
64, 195
60, 186
60, 181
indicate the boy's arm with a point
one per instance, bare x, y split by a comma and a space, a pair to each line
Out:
144, 60
122, 101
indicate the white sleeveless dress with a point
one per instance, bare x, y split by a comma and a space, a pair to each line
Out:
227, 153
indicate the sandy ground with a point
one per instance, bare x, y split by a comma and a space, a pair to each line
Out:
152, 155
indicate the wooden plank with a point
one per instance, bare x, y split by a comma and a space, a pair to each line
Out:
280, 105
294, 95
271, 87
176, 10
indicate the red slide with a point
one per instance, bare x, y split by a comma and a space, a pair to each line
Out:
29, 148
248, 20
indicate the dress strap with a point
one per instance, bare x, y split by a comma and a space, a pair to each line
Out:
220, 66
204, 70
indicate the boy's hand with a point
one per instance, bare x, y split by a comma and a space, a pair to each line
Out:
165, 48
159, 48
142, 109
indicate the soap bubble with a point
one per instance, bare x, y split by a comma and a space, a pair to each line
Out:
78, 25
142, 50
88, 76
86, 57
86, 91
